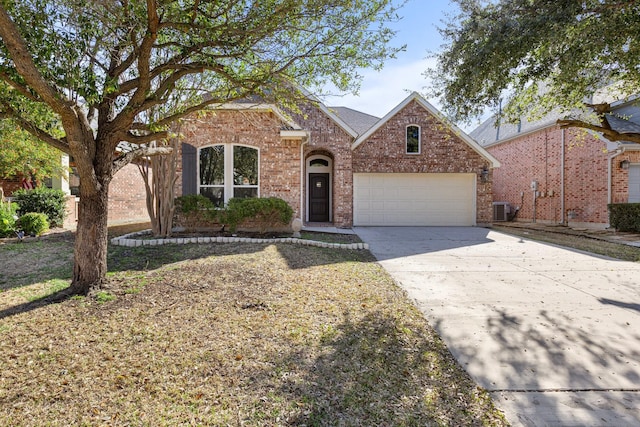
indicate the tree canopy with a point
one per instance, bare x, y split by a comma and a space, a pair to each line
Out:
21, 154
109, 70
539, 55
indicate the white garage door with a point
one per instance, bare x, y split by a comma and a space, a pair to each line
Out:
419, 199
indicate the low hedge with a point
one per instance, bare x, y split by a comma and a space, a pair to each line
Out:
194, 203
195, 212
34, 223
262, 213
43, 200
256, 214
625, 216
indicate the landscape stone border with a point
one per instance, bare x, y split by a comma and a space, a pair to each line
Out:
131, 240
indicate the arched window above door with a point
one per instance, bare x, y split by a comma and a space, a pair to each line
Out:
319, 162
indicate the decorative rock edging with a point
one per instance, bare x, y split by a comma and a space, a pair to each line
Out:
130, 240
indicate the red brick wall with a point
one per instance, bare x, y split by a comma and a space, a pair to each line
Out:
537, 157
620, 177
127, 197
9, 185
279, 160
441, 152
329, 139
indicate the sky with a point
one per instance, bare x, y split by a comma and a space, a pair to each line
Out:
381, 91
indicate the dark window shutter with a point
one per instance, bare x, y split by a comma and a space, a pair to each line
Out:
189, 169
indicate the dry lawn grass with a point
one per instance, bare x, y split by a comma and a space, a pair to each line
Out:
225, 335
593, 242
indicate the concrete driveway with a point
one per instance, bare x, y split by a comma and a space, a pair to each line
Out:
552, 333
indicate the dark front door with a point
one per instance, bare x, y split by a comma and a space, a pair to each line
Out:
319, 197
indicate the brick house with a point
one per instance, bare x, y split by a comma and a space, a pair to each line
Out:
563, 176
340, 166
127, 196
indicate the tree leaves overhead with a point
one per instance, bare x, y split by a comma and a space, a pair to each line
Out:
21, 154
95, 51
536, 55
111, 56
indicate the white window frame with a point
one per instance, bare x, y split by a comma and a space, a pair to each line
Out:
229, 183
223, 186
406, 139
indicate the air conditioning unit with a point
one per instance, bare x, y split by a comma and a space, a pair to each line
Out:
501, 211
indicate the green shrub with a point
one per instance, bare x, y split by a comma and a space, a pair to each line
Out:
194, 203
262, 214
197, 204
42, 200
8, 215
265, 213
625, 216
34, 223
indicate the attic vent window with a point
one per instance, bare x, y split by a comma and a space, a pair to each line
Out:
319, 162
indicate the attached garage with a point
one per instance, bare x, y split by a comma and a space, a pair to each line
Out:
414, 199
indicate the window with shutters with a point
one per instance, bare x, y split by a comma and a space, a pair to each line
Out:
226, 171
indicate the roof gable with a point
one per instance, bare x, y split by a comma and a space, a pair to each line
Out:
434, 111
331, 114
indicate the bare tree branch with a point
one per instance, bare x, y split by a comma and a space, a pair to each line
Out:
143, 66
145, 139
130, 156
608, 133
184, 113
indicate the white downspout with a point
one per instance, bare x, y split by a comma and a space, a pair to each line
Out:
302, 204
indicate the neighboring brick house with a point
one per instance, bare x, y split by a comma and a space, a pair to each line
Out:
576, 173
340, 166
127, 196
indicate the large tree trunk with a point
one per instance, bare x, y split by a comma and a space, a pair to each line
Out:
90, 252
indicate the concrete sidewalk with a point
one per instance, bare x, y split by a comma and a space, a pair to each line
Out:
553, 334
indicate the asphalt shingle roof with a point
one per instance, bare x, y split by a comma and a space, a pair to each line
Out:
622, 125
488, 133
356, 120
624, 120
